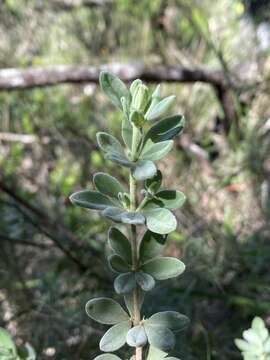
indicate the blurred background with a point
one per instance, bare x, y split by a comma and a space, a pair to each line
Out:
215, 56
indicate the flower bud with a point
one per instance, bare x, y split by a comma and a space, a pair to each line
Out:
140, 99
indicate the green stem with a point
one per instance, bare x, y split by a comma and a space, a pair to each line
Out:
134, 244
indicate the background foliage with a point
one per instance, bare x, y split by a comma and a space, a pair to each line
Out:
52, 253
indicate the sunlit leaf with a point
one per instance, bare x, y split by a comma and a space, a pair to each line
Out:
160, 220
155, 151
171, 199
161, 107
144, 169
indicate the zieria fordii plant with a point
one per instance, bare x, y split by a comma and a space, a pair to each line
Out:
136, 259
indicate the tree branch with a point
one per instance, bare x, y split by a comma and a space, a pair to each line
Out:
38, 76
14, 79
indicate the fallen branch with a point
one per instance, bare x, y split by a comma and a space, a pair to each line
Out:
14, 79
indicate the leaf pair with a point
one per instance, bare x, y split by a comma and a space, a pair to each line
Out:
109, 312
141, 170
121, 262
158, 330
111, 199
160, 268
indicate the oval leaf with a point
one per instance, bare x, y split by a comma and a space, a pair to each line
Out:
118, 264
144, 169
151, 246
105, 311
160, 337
155, 151
91, 200
108, 185
171, 199
161, 107
164, 268
113, 213
125, 283
132, 218
109, 144
120, 244
160, 220
115, 337
170, 319
136, 336
113, 87
165, 129
119, 159
107, 357
145, 281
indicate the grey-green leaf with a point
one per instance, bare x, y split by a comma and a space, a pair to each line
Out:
132, 218
145, 281
118, 264
119, 159
115, 337
107, 357
105, 311
160, 337
113, 213
164, 268
165, 129
161, 107
120, 244
109, 144
125, 283
171, 199
156, 354
113, 87
108, 185
153, 184
170, 319
155, 151
151, 246
160, 220
144, 169
91, 200
136, 336
127, 132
